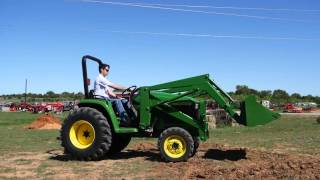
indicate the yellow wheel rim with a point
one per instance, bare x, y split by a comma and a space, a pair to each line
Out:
82, 134
175, 146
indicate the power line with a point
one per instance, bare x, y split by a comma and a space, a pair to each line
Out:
193, 11
230, 7
212, 35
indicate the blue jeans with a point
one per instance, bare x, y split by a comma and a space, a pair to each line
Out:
121, 105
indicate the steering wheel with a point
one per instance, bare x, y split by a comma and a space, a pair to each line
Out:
130, 90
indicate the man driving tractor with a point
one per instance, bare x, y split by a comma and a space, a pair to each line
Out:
174, 112
102, 88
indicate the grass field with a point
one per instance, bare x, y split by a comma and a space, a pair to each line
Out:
37, 153
294, 134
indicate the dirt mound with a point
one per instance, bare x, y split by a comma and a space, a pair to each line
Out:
262, 166
45, 122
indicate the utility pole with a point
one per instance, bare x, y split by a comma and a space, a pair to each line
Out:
25, 91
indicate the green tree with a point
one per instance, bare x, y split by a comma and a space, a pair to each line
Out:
79, 95
51, 94
265, 94
308, 98
280, 96
296, 95
242, 90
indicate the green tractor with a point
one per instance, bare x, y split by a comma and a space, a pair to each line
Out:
173, 112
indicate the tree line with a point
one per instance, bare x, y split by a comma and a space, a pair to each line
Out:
49, 96
277, 96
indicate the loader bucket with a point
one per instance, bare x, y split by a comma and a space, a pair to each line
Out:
253, 113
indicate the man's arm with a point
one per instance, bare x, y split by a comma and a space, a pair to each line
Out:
117, 86
114, 86
110, 92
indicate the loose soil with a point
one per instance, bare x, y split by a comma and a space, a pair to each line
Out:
252, 164
47, 121
142, 161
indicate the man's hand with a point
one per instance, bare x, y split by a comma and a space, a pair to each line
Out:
111, 93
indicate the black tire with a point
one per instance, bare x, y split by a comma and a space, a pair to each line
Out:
102, 138
181, 135
196, 141
119, 142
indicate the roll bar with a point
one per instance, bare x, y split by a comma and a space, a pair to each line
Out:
85, 74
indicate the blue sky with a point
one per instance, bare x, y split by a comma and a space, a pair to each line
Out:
44, 40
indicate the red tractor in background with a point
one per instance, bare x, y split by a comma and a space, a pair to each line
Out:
291, 108
55, 106
25, 107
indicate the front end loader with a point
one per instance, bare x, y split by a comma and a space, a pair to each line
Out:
173, 112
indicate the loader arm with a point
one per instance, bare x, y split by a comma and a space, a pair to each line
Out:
251, 114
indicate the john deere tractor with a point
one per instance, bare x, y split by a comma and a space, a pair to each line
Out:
173, 112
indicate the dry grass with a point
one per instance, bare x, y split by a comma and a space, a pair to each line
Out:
37, 154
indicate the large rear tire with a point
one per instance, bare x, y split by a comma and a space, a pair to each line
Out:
119, 142
86, 134
175, 144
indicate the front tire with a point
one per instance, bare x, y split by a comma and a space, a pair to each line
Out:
175, 144
86, 134
196, 141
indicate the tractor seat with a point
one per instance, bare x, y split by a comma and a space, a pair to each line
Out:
93, 96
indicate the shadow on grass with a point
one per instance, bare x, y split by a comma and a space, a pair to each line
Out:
64, 157
56, 155
232, 155
127, 154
